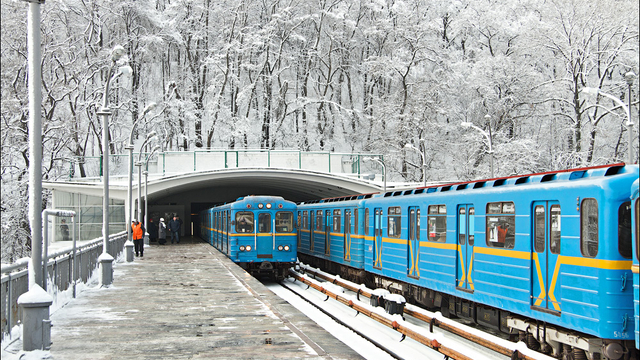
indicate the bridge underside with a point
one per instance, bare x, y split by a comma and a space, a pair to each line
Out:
187, 194
224, 186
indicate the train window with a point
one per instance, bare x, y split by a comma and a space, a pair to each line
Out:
355, 221
637, 229
305, 220
366, 221
394, 226
224, 221
624, 230
244, 222
589, 227
501, 225
284, 221
412, 224
336, 220
319, 220
554, 243
264, 223
437, 223
539, 221
472, 224
418, 224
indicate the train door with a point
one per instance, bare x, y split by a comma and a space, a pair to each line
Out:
311, 230
545, 289
413, 248
266, 240
327, 232
217, 232
347, 235
377, 242
466, 237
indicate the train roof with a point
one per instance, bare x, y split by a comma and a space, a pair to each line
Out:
548, 176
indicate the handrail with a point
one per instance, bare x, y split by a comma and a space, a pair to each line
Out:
15, 279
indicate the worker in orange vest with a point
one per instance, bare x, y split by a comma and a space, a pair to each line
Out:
138, 234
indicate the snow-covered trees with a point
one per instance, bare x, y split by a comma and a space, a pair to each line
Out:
343, 75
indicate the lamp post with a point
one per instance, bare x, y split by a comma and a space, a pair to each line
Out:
36, 326
486, 135
139, 164
629, 77
594, 91
129, 147
118, 57
423, 158
384, 170
146, 173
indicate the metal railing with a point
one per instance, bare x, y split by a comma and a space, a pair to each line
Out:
181, 162
60, 274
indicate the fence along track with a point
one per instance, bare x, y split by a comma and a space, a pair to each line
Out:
432, 343
15, 279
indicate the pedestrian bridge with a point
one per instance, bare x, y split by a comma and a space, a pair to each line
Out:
184, 183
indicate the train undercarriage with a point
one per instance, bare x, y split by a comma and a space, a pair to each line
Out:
546, 338
276, 271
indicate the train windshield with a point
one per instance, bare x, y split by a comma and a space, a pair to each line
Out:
284, 221
244, 222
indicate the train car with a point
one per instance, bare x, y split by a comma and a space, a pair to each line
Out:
545, 256
331, 235
635, 235
256, 232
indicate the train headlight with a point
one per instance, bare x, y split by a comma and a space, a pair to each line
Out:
280, 247
268, 206
241, 248
248, 248
286, 248
260, 206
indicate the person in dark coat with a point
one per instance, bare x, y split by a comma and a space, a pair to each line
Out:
174, 228
153, 231
162, 232
64, 229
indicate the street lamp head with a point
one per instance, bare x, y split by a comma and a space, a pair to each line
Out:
408, 146
487, 117
155, 148
629, 77
118, 53
151, 134
151, 106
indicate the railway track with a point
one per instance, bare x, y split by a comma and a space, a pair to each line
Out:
435, 333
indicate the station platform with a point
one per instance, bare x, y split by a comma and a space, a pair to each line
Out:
187, 301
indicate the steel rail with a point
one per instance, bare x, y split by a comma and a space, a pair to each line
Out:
514, 354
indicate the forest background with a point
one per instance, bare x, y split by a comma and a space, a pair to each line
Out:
325, 75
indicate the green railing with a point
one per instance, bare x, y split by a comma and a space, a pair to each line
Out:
181, 162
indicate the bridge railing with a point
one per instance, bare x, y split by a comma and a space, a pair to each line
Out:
181, 162
60, 265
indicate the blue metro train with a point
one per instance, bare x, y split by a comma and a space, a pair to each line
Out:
635, 226
256, 232
544, 257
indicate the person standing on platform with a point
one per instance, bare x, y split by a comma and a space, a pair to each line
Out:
162, 232
153, 231
174, 227
138, 234
64, 229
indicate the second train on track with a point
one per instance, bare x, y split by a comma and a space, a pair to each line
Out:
256, 232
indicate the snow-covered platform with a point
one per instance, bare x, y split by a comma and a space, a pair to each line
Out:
186, 301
